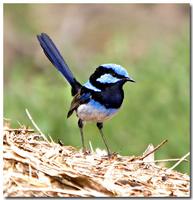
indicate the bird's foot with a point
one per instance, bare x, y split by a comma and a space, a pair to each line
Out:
86, 151
112, 155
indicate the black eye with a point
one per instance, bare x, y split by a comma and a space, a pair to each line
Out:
113, 74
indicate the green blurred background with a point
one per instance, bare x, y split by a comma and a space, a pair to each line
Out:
151, 41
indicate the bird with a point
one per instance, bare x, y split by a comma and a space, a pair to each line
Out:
98, 99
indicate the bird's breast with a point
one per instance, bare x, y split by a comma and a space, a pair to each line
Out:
94, 111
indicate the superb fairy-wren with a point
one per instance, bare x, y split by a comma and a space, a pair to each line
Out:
99, 98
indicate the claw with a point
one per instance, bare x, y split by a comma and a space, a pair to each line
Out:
86, 151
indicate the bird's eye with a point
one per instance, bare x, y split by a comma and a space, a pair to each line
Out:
113, 74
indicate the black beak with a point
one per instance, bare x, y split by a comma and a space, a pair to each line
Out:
129, 79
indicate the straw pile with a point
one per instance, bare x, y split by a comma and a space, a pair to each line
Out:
36, 167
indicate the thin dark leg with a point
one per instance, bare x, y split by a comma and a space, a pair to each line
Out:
100, 126
80, 125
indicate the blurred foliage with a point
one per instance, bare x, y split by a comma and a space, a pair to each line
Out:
151, 41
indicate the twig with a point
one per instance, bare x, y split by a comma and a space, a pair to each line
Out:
19, 123
51, 140
35, 125
183, 158
90, 144
157, 161
19, 129
170, 160
6, 119
155, 149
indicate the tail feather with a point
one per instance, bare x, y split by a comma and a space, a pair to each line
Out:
57, 60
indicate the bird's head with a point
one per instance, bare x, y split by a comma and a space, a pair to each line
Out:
107, 75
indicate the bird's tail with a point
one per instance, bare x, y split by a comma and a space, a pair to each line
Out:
57, 60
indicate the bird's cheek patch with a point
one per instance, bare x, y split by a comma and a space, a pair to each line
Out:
91, 86
107, 78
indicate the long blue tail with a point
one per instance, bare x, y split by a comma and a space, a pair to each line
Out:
57, 60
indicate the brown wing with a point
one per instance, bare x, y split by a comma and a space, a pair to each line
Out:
78, 99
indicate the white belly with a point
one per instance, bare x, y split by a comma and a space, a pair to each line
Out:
94, 111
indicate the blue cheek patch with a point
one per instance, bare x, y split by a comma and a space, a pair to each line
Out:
107, 78
91, 87
117, 68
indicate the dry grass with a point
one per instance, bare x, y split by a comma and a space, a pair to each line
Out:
35, 167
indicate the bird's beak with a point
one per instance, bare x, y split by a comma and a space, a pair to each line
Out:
129, 79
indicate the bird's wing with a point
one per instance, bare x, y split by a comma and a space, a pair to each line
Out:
79, 98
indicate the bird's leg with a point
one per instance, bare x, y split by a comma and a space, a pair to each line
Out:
100, 126
80, 125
